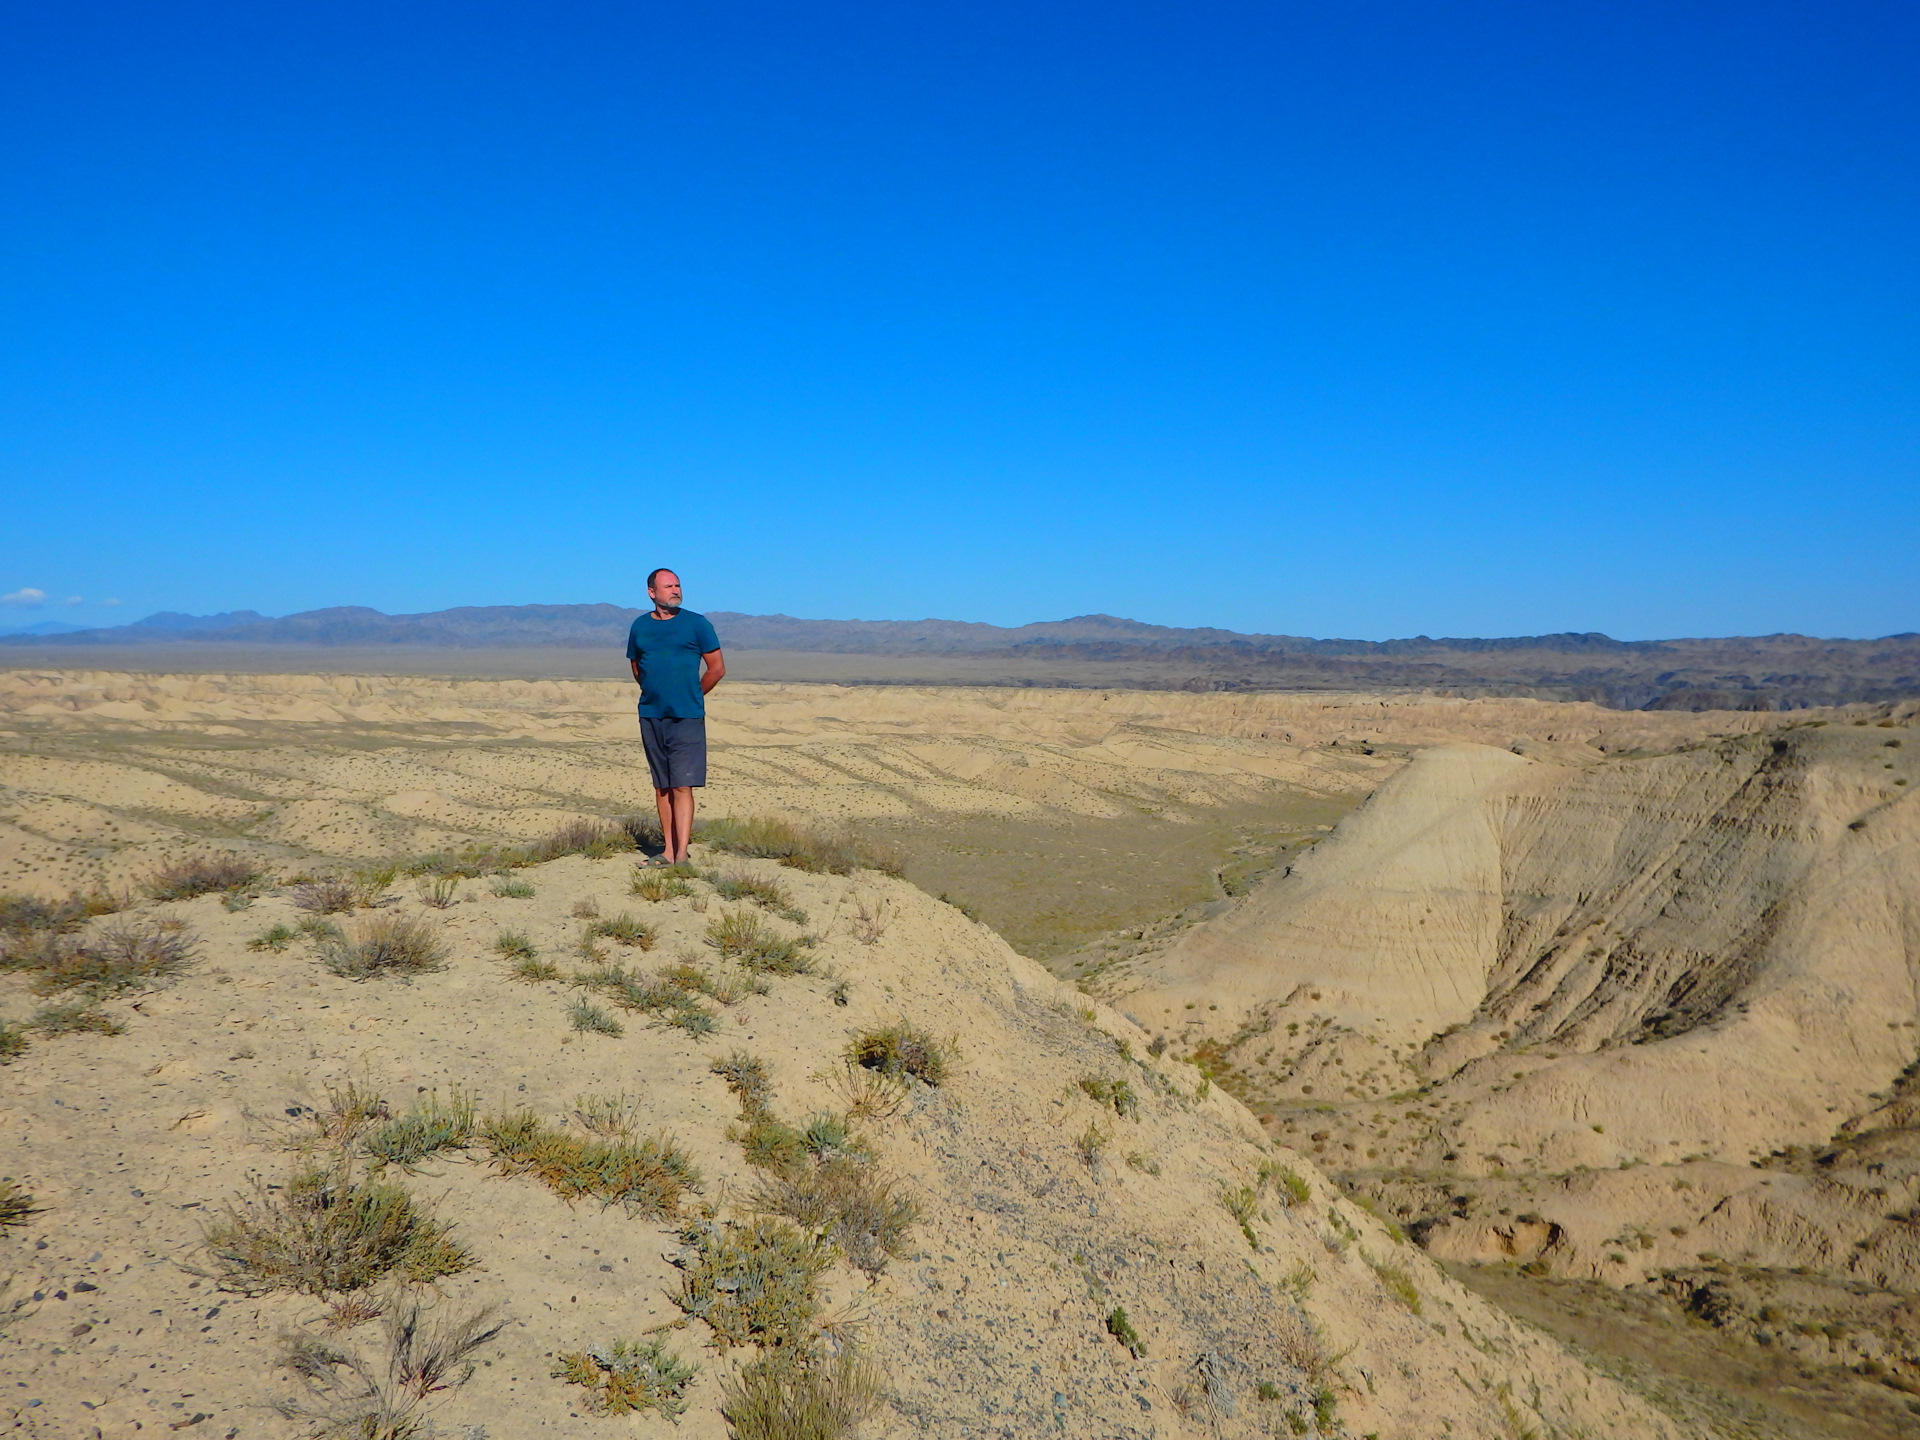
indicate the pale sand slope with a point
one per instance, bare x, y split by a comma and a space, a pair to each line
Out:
103, 776
1595, 963
994, 1326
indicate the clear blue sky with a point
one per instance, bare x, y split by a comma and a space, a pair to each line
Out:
1349, 318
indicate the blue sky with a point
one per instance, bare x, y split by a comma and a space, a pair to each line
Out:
1356, 319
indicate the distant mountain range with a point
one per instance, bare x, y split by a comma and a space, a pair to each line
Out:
1766, 672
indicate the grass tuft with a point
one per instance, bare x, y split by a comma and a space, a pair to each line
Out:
350, 1110
588, 1018
767, 894
1242, 1202
431, 1126
1397, 1283
766, 837
801, 1396
648, 1176
13, 1042
595, 839
439, 892
508, 887
627, 1377
900, 1050
348, 1397
743, 937
326, 1232
201, 875
623, 929
513, 945
848, 1202
78, 1017
610, 1117
747, 1077
396, 945
275, 938
655, 885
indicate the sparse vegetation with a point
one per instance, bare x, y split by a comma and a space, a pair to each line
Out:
752, 1284
351, 1398
349, 1111
589, 1018
327, 1232
900, 1050
595, 839
656, 885
275, 937
607, 1116
1397, 1283
743, 937
16, 1205
132, 955
13, 1042
513, 945
431, 1126
787, 1395
1121, 1328
767, 894
1287, 1182
845, 1199
201, 875
1242, 1202
397, 945
746, 1076
628, 1376
438, 891
1117, 1095
508, 887
868, 1094
23, 914
648, 1176
1092, 1142
1145, 1164
768, 838
76, 1018
532, 968
623, 929
872, 914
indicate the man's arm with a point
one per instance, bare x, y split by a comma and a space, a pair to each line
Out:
636, 670
715, 672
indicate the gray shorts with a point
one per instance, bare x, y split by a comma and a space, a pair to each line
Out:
676, 750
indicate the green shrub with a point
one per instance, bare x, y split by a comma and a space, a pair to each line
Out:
589, 1018
430, 1127
507, 887
746, 1076
1117, 1094
752, 1284
743, 937
1121, 1328
623, 930
767, 894
275, 938
1398, 1284
77, 1018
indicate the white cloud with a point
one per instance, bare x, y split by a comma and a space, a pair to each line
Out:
109, 602
75, 600
27, 597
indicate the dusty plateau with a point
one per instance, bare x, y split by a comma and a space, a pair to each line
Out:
1305, 994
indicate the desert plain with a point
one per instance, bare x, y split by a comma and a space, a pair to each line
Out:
1370, 1064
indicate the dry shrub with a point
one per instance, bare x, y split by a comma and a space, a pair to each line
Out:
326, 1232
349, 1397
752, 1284
350, 1110
648, 1176
16, 1205
133, 955
867, 1094
431, 1126
13, 1042
852, 1203
607, 1116
437, 891
385, 945
801, 1396
871, 916
21, 914
766, 837
747, 1077
628, 1376
202, 875
902, 1049
325, 897
595, 839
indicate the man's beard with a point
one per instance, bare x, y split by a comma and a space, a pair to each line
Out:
669, 607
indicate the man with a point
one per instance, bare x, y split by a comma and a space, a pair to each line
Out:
676, 660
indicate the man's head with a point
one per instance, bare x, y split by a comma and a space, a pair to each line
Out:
663, 588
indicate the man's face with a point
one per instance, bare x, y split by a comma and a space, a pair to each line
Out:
665, 590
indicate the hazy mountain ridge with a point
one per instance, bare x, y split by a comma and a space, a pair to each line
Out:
1742, 672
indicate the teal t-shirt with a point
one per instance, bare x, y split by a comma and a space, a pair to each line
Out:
669, 653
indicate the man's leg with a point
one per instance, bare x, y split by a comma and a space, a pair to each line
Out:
663, 800
682, 823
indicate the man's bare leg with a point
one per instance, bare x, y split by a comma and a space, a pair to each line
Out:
676, 821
